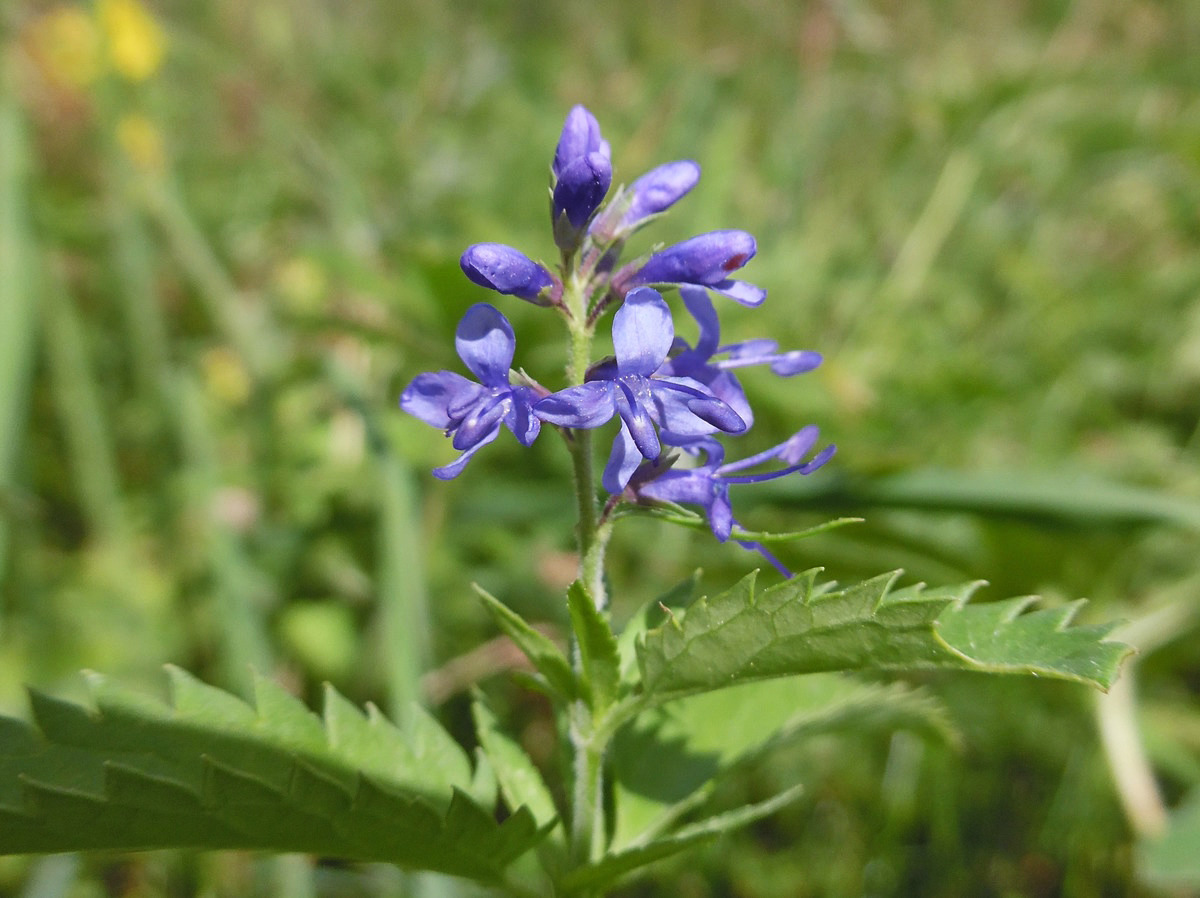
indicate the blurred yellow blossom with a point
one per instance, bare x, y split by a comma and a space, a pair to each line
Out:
225, 376
66, 46
136, 42
142, 142
301, 284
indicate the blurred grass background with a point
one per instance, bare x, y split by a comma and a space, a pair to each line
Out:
229, 237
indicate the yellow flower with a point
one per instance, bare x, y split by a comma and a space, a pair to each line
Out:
225, 376
142, 142
136, 42
66, 46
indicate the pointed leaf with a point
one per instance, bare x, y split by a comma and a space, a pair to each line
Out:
617, 865
520, 780
801, 627
543, 654
597, 647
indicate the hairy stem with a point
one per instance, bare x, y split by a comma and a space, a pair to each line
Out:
587, 805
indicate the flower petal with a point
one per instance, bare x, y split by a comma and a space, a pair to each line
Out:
485, 343
622, 462
481, 420
519, 418
631, 405
741, 292
452, 470
587, 405
642, 332
430, 396
697, 302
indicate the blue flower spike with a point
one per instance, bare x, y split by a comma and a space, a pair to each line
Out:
634, 389
582, 170
510, 272
471, 413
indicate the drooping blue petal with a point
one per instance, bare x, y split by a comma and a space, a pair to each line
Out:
482, 419
586, 405
485, 342
701, 308
520, 418
622, 461
740, 292
632, 396
507, 271
430, 396
452, 470
642, 332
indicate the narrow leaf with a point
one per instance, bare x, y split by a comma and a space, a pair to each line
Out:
520, 781
597, 647
617, 865
543, 654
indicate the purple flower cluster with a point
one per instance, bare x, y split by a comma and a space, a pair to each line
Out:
670, 397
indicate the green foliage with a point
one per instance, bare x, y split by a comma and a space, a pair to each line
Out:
209, 771
597, 648
801, 627
558, 678
1170, 860
671, 757
615, 865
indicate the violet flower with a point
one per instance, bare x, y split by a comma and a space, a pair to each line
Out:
633, 389
582, 171
651, 194
702, 363
471, 413
707, 485
705, 261
510, 272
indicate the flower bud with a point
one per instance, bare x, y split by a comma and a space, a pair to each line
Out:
581, 188
707, 259
580, 136
659, 189
508, 271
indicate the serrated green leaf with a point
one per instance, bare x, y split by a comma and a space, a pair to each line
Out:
520, 781
597, 648
543, 654
800, 627
209, 771
617, 865
671, 757
680, 594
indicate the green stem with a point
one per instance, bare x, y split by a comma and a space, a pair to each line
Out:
587, 811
